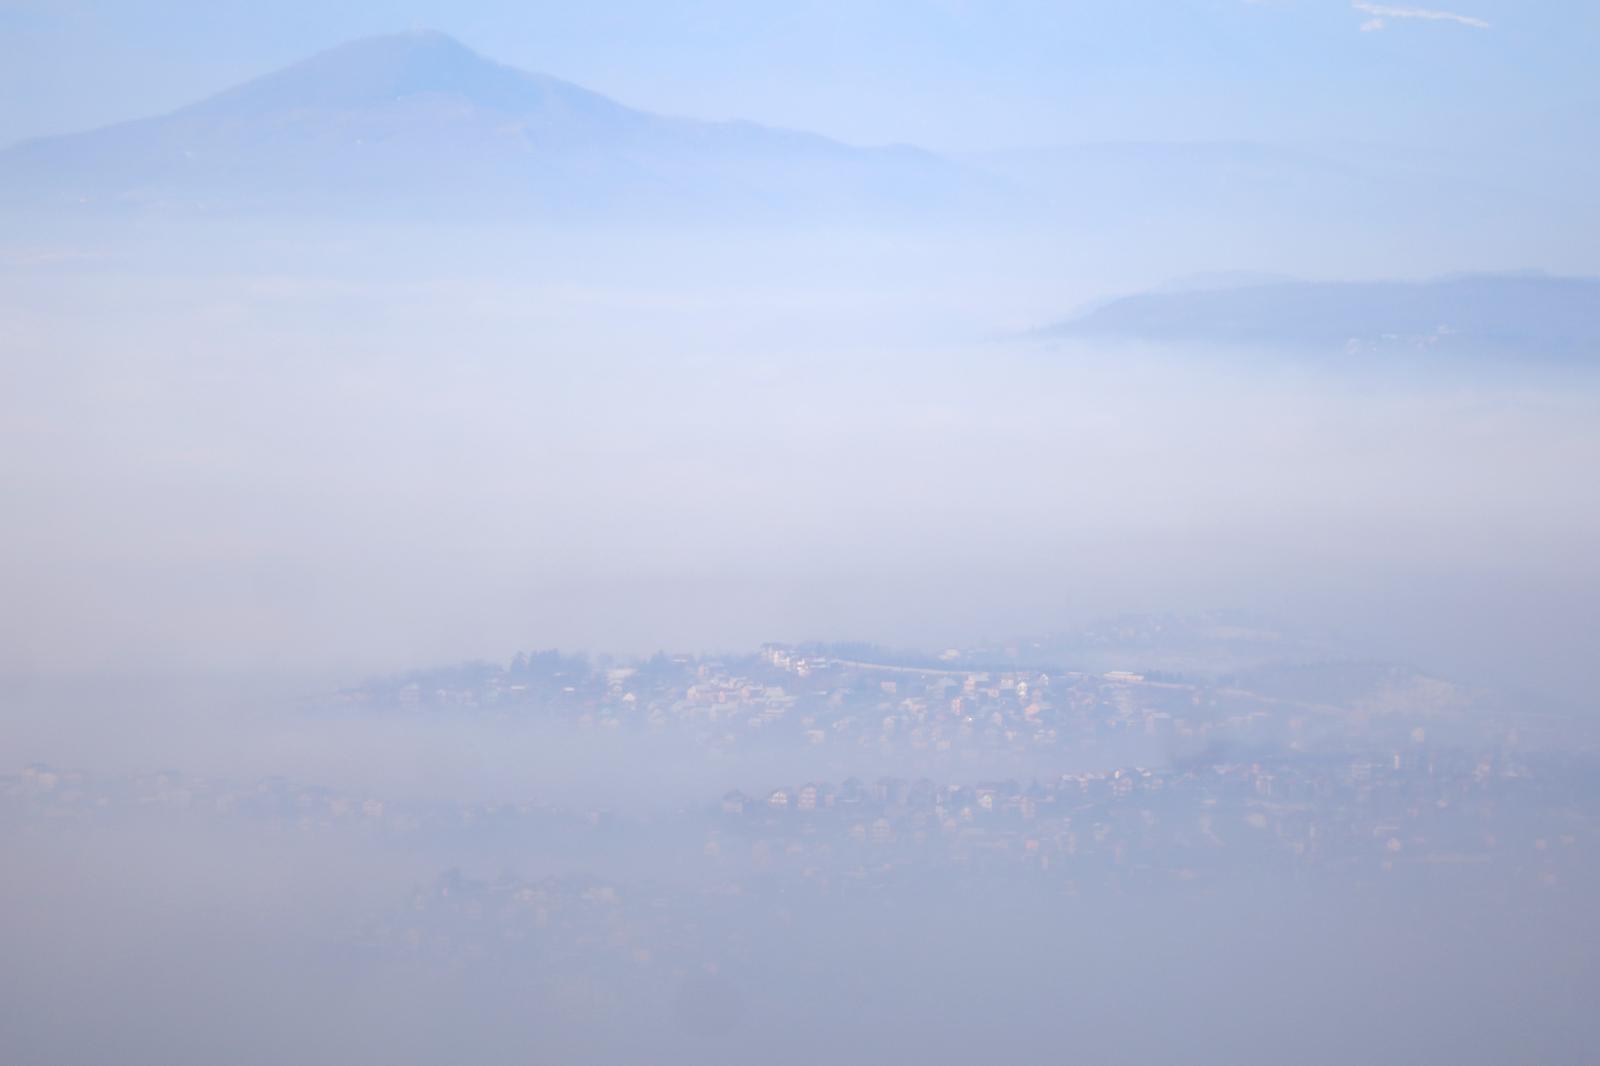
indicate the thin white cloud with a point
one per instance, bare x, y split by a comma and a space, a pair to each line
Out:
1382, 13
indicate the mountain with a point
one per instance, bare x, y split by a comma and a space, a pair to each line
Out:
420, 123
1520, 315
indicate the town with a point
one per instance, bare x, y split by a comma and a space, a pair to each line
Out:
1081, 786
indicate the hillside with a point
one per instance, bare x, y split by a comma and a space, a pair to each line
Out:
1531, 316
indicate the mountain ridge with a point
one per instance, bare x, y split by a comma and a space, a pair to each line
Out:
418, 119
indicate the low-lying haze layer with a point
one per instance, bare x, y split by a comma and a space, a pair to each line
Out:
258, 469
329, 405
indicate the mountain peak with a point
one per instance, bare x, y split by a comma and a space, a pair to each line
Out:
373, 71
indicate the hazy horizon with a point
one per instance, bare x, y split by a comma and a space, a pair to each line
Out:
699, 532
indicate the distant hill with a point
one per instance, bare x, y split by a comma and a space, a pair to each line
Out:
1531, 316
420, 128
420, 122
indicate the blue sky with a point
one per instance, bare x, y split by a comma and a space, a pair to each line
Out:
1489, 75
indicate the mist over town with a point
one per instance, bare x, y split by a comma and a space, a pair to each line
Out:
702, 532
